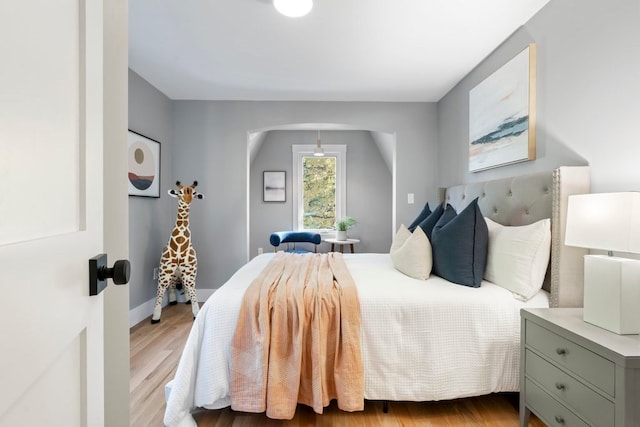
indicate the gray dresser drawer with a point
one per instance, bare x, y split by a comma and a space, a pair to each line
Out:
593, 368
582, 374
593, 407
549, 410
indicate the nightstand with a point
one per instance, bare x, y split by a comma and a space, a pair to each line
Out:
573, 373
341, 243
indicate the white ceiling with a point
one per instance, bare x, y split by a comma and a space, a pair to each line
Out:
344, 50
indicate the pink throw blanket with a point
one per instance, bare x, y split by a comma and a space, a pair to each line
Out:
298, 338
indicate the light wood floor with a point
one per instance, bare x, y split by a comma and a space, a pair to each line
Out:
156, 349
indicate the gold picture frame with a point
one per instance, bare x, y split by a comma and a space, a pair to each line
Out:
502, 114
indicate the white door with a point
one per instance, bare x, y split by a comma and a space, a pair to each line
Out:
51, 330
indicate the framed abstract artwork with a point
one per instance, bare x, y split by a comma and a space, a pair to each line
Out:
274, 187
502, 114
144, 166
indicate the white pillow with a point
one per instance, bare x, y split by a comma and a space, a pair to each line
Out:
517, 257
411, 253
401, 236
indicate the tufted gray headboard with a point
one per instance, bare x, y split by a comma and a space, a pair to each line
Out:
526, 199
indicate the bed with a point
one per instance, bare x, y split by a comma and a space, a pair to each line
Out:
420, 340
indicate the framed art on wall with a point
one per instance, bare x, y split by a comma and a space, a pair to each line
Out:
274, 187
144, 166
502, 114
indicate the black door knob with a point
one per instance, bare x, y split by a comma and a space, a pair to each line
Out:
120, 272
99, 273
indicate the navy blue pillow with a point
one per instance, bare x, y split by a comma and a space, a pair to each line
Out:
459, 246
429, 222
424, 213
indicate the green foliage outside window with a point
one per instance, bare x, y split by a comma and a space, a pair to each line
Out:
319, 193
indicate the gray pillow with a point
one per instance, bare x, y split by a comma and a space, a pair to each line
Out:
459, 243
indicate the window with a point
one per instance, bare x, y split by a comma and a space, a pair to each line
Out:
318, 187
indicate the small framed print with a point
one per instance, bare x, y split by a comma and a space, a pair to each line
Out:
274, 186
144, 166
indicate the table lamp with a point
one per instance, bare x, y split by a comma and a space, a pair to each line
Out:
610, 222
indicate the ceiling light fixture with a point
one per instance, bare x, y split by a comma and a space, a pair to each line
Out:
293, 8
319, 151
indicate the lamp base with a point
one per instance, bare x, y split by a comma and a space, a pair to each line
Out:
612, 293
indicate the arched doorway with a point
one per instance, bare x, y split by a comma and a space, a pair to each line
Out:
273, 217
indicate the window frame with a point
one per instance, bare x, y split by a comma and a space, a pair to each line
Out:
299, 151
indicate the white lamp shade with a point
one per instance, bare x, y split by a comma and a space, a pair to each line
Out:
293, 8
607, 221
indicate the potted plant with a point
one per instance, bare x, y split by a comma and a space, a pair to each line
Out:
342, 225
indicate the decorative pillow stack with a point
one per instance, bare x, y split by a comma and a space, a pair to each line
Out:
459, 245
453, 245
411, 253
465, 247
518, 256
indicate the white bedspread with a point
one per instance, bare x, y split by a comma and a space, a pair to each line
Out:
421, 340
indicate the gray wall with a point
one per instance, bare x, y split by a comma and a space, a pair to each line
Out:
150, 219
211, 146
368, 188
588, 95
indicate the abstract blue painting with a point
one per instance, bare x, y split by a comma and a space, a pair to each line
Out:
502, 115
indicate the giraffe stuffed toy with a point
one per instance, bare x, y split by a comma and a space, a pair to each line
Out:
178, 261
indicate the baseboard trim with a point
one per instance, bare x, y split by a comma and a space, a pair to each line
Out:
144, 310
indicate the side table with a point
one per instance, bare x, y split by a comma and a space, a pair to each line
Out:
342, 243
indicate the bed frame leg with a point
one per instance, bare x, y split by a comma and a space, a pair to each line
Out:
385, 406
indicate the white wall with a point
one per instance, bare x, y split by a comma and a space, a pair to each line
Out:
588, 95
368, 189
211, 147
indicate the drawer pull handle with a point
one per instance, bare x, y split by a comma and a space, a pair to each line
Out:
561, 351
559, 419
560, 386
